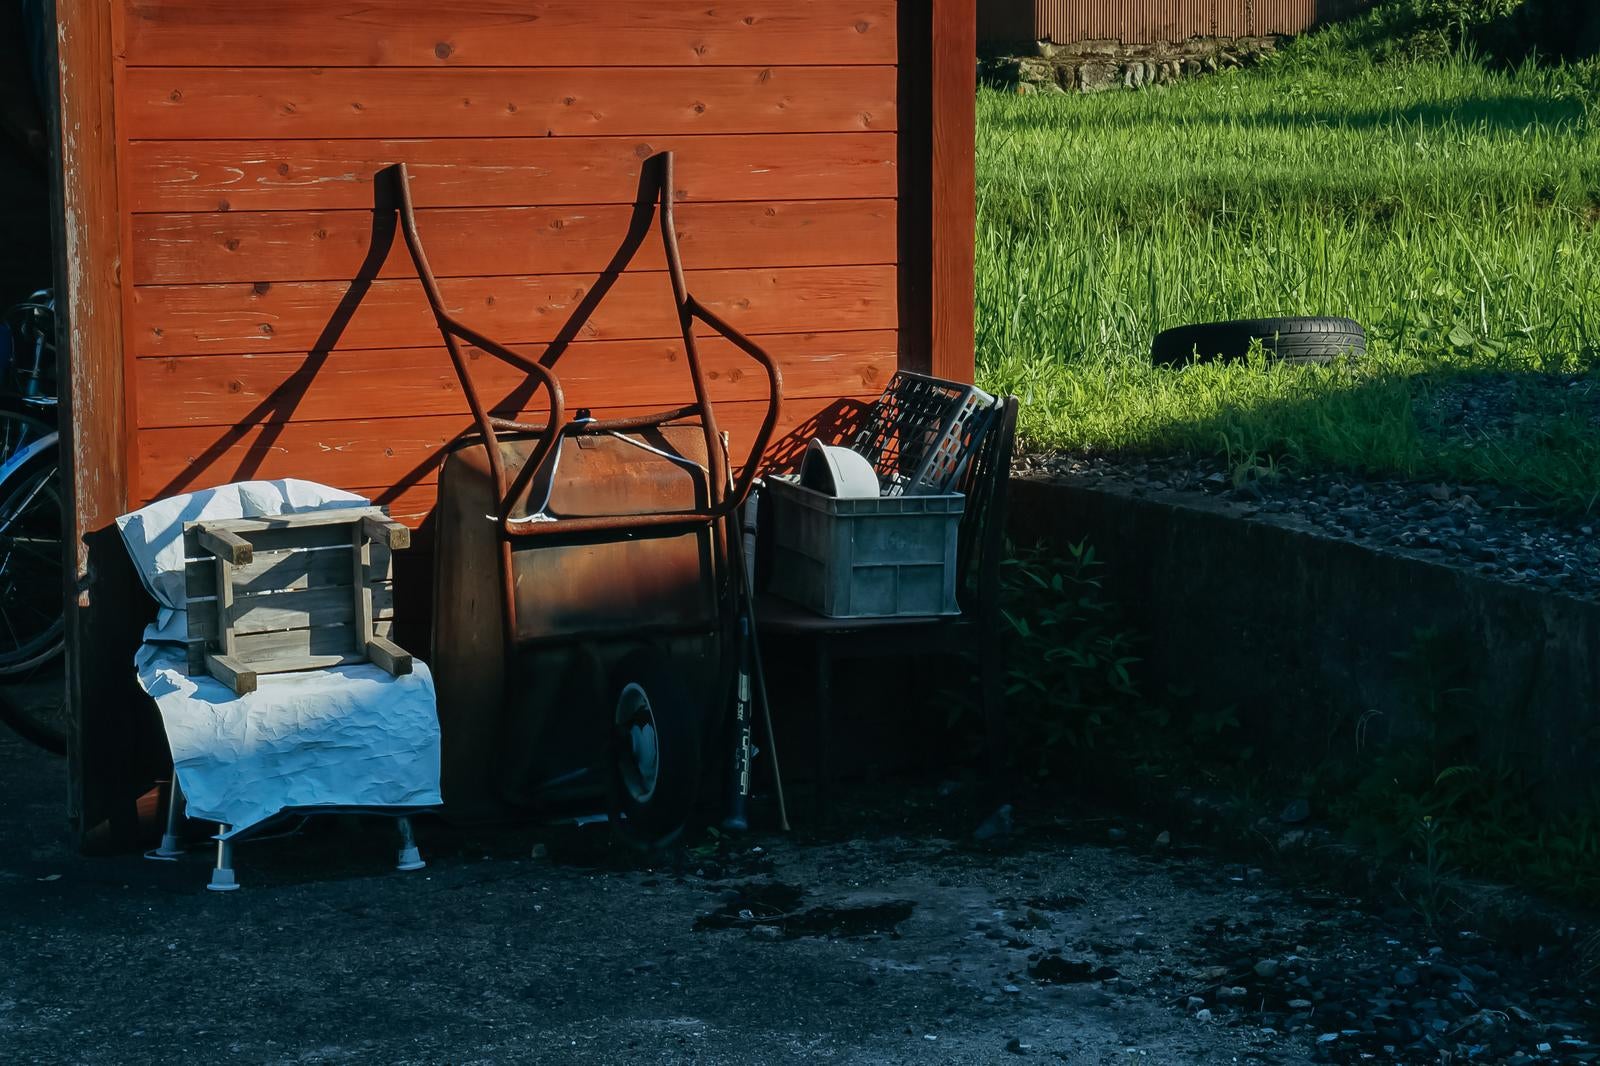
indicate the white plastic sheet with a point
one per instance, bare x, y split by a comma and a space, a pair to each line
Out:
347, 737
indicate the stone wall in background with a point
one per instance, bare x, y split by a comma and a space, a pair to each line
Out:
1097, 66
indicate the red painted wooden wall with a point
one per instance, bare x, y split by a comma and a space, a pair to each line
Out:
229, 312
264, 335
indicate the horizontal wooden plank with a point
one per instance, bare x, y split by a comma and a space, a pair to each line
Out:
299, 609
294, 664
397, 453
213, 247
228, 390
322, 316
284, 570
249, 175
187, 103
295, 647
425, 33
270, 540
300, 522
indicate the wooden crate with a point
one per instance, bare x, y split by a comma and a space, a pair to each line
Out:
292, 592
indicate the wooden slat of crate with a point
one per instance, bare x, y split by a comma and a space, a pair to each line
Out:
294, 523
284, 569
328, 605
323, 642
296, 649
319, 529
280, 594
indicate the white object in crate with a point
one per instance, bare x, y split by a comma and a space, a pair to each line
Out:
838, 472
881, 557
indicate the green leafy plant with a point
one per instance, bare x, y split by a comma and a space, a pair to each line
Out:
1428, 797
710, 846
1459, 16
1429, 893
1505, 29
1068, 663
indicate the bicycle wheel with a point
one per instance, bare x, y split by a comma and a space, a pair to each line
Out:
32, 583
18, 429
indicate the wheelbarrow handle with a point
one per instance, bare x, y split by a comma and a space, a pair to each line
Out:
665, 521
454, 331
758, 448
725, 494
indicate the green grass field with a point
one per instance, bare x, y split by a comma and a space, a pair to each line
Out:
1449, 207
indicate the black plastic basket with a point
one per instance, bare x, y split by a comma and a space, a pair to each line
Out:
921, 433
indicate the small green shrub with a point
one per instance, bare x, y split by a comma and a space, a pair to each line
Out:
1507, 30
1465, 13
1068, 662
1442, 26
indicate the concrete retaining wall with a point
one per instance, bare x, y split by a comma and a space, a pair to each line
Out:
1299, 630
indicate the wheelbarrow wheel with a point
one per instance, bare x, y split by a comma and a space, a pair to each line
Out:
656, 751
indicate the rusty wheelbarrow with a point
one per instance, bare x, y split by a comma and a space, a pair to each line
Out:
585, 613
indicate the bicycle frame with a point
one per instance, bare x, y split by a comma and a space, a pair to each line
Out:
33, 365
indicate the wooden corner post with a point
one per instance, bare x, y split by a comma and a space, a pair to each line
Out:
938, 44
955, 88
104, 710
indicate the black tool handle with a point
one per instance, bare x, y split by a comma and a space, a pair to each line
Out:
737, 819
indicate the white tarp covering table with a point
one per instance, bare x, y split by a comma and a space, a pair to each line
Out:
350, 737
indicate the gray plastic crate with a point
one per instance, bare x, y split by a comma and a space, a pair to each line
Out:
885, 557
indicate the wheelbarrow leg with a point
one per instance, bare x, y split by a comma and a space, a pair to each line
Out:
222, 879
410, 858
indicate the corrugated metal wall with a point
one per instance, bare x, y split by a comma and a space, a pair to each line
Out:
1150, 21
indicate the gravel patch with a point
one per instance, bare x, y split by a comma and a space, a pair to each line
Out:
1068, 935
1483, 528
1476, 406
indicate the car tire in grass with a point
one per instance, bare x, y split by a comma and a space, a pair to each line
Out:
1284, 340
